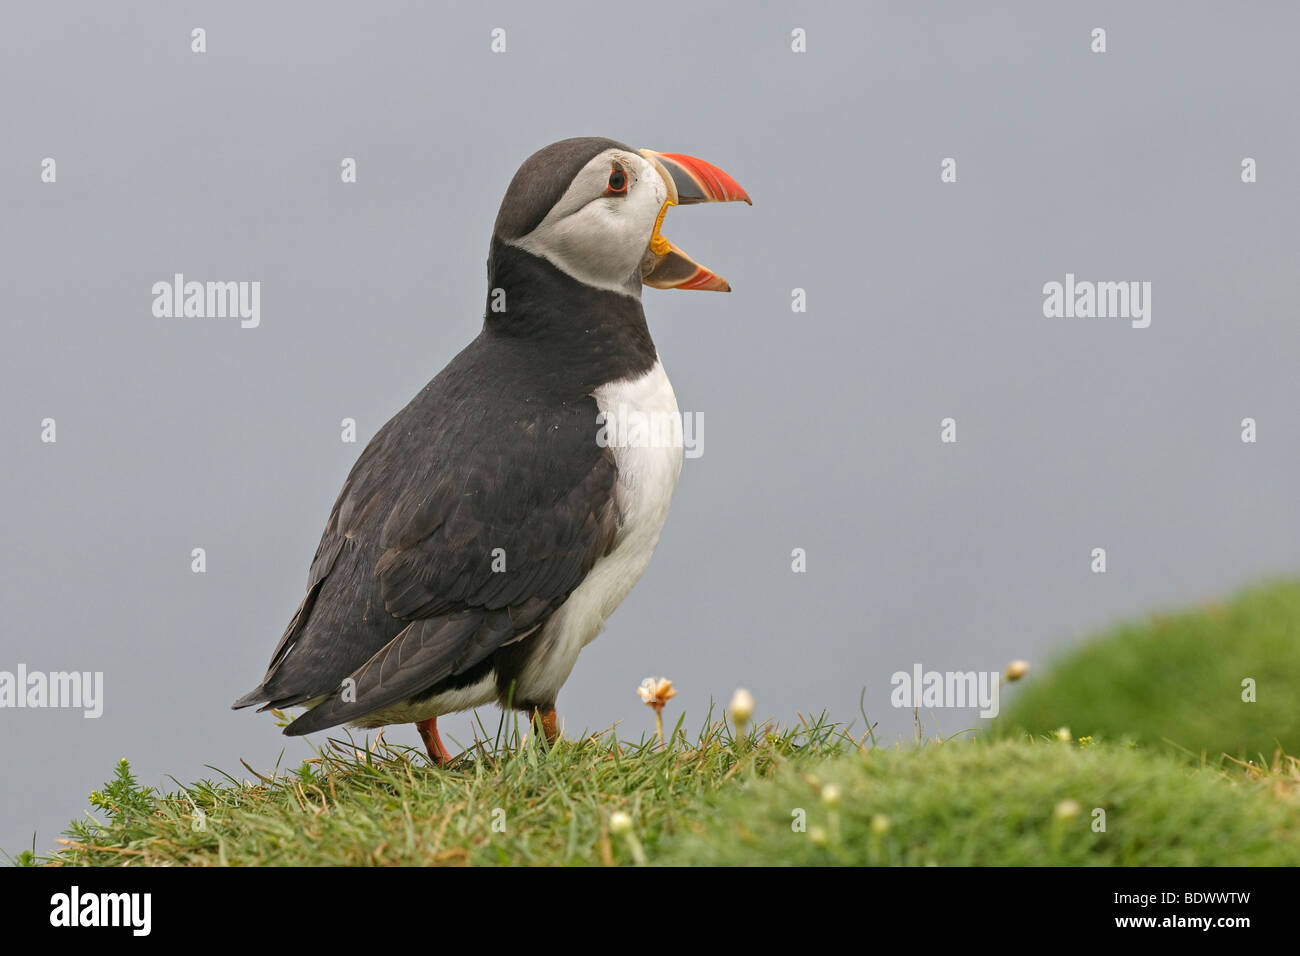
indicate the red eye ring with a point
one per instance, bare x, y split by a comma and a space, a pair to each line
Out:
617, 185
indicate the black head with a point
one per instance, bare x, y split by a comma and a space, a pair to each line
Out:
592, 208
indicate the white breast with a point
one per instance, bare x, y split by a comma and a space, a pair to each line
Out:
649, 460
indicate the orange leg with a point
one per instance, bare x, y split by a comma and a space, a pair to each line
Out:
550, 725
432, 742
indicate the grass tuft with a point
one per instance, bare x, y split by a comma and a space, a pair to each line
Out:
522, 803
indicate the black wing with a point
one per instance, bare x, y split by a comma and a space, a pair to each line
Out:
465, 522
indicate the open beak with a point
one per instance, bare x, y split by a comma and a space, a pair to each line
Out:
689, 180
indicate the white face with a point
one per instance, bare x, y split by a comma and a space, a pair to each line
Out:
600, 229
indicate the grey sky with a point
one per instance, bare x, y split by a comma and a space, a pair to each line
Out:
822, 429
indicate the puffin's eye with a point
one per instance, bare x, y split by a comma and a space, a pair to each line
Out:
617, 182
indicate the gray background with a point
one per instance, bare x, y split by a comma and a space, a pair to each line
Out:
924, 300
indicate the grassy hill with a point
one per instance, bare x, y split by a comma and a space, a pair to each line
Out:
812, 793
1174, 681
807, 797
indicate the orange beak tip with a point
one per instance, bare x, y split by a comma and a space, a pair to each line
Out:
696, 180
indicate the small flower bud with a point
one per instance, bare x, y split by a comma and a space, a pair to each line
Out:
1067, 810
742, 706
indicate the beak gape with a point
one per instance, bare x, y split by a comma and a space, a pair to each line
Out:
689, 180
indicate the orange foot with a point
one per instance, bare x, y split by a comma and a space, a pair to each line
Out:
432, 742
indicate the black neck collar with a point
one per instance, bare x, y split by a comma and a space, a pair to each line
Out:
582, 334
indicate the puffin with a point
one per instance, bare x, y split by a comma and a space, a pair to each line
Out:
491, 527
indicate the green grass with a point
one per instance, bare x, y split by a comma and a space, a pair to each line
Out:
713, 800
549, 804
1175, 681
1004, 803
808, 794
